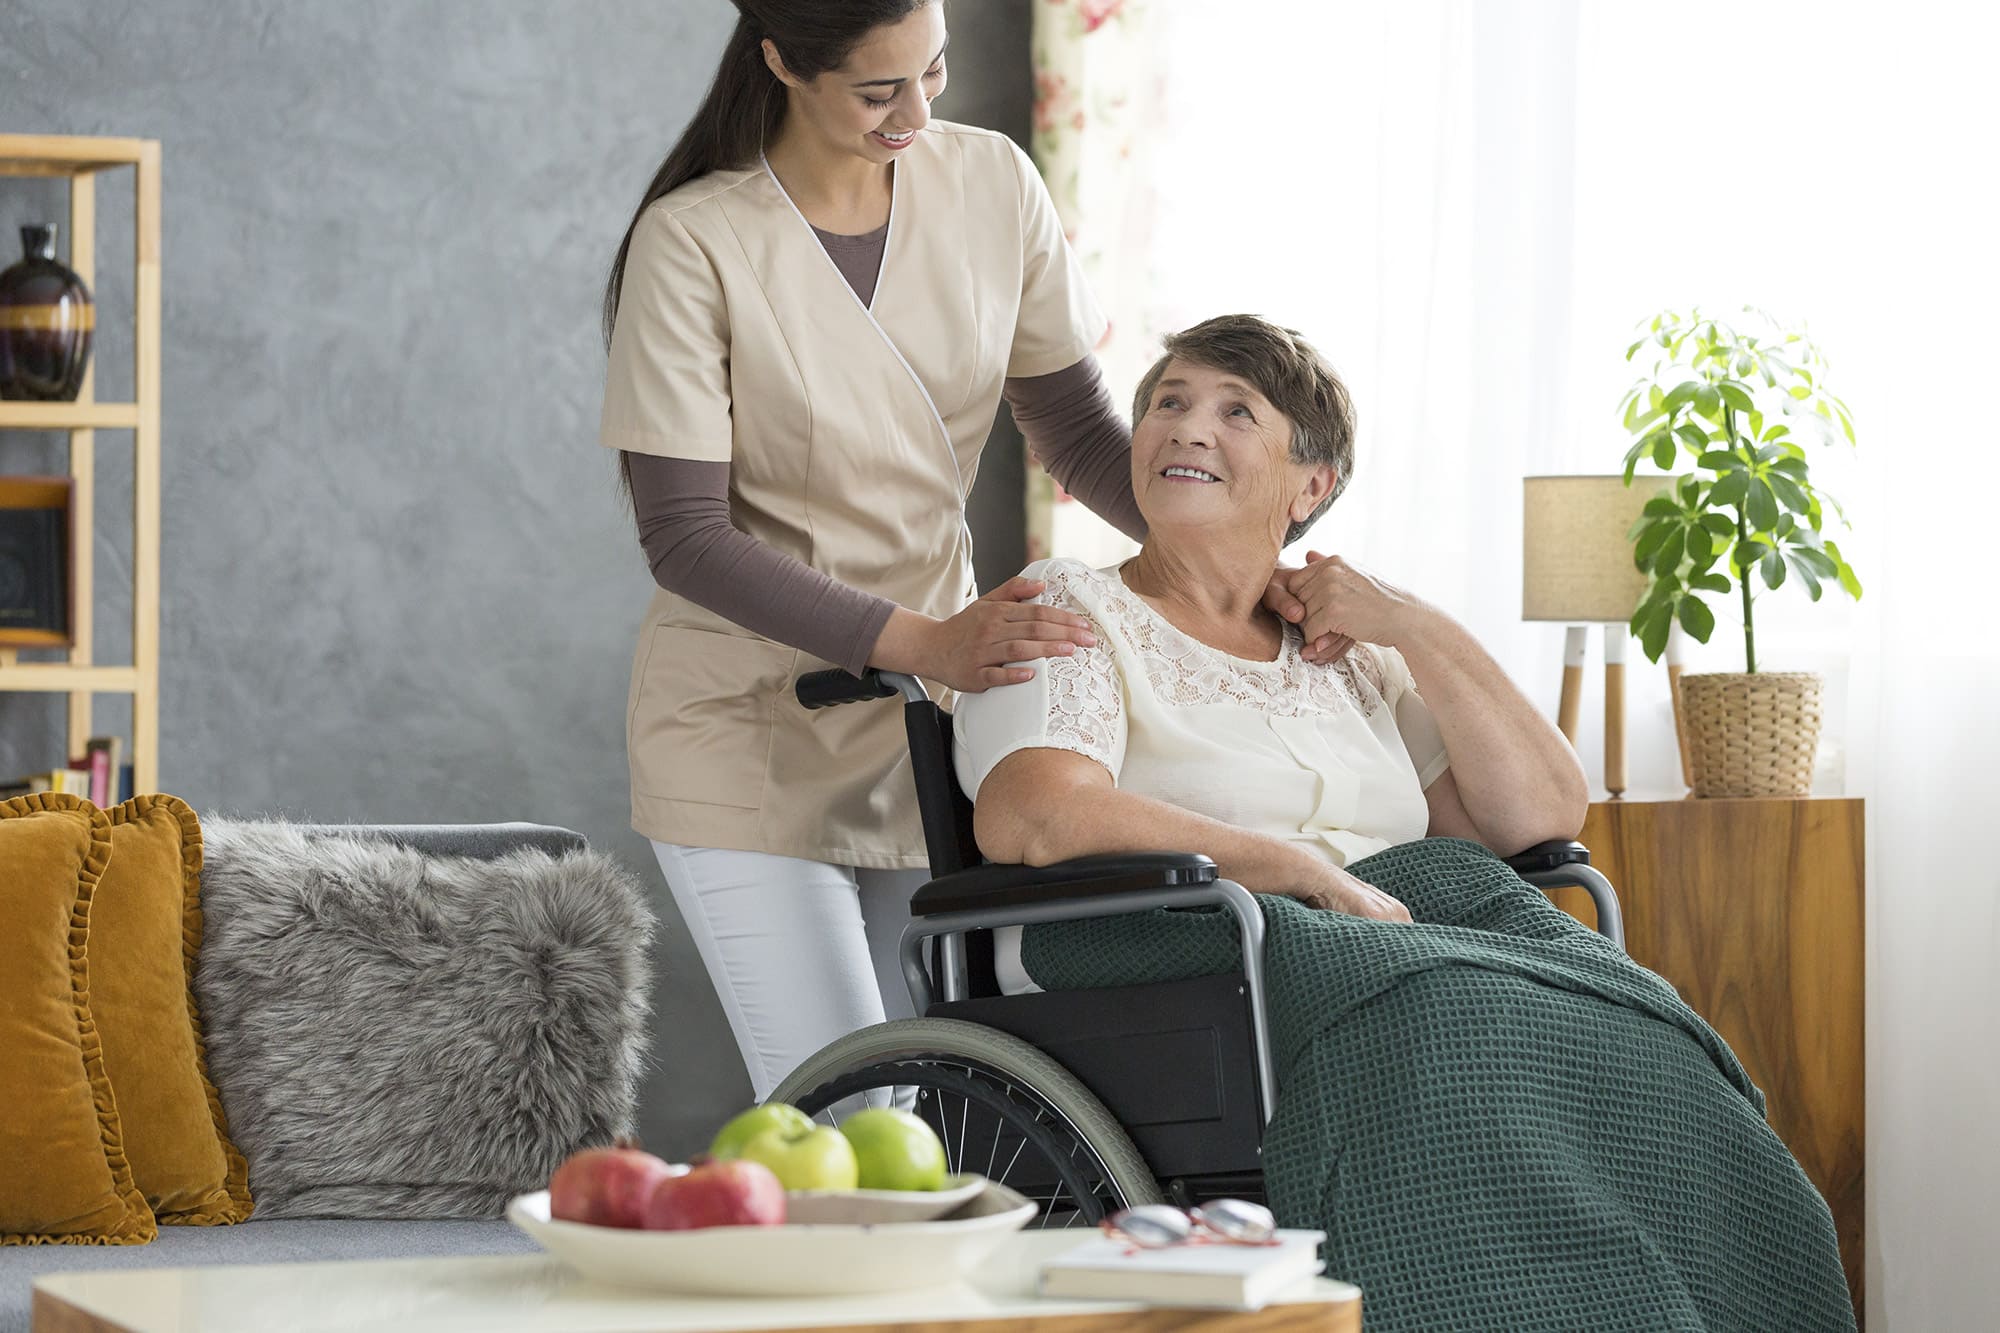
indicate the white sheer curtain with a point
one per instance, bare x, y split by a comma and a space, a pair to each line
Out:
1467, 206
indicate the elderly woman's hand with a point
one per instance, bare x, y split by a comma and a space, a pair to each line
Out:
1334, 890
1345, 605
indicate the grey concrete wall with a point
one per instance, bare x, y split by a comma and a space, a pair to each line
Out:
397, 582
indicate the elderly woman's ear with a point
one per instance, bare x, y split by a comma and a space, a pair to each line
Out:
1316, 485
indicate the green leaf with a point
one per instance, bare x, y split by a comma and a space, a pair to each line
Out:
1713, 583
1801, 392
1773, 569
1683, 392
1650, 543
1818, 561
1708, 401
1777, 432
1735, 395
1661, 507
1756, 424
1786, 523
1769, 452
1653, 630
1671, 550
1697, 619
1807, 576
1788, 493
1747, 553
1731, 489
1720, 460
1700, 546
1795, 468
1761, 505
1634, 348
1849, 581
1663, 450
1719, 524
1692, 435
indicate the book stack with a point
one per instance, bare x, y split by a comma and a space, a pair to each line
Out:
99, 777
1222, 1277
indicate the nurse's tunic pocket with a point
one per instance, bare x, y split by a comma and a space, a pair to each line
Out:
701, 717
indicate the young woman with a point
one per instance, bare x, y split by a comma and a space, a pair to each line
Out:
812, 321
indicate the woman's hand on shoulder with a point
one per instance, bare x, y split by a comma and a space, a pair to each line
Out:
1345, 605
1332, 889
970, 651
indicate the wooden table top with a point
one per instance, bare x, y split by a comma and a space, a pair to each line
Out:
539, 1294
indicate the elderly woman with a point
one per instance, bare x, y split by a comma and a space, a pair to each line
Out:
1498, 1118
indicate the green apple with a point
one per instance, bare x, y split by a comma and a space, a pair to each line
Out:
819, 1158
729, 1140
895, 1150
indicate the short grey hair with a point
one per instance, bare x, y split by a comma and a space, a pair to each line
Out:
1289, 371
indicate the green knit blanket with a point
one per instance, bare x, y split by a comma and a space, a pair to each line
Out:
1499, 1119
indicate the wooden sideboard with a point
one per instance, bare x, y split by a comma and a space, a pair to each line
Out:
1753, 910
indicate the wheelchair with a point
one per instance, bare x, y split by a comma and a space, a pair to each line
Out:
1084, 1101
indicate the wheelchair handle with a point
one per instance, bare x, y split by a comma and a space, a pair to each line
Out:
824, 689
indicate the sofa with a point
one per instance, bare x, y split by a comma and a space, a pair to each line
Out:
366, 1221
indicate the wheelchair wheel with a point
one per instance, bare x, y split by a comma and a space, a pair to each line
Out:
1002, 1108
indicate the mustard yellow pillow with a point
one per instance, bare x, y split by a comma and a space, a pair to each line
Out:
63, 1174
145, 934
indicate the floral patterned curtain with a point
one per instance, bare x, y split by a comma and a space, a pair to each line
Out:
1095, 90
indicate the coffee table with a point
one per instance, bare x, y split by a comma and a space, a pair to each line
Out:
539, 1294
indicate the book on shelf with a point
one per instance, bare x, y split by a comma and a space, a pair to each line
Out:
1223, 1277
69, 781
98, 776
104, 753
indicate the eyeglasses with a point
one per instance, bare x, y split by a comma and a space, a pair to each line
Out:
1155, 1226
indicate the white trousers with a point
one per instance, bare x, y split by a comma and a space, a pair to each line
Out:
800, 952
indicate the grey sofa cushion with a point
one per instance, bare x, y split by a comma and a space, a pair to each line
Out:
253, 1242
397, 1033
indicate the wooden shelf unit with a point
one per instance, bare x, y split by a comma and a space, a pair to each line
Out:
78, 159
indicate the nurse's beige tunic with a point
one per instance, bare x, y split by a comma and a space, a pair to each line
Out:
853, 434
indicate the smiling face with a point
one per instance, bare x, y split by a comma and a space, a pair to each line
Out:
1210, 451
873, 105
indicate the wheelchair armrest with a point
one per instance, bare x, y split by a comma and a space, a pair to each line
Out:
1545, 856
1080, 877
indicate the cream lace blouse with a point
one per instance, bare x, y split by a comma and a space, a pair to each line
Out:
1333, 757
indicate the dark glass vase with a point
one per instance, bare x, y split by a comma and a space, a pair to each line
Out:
46, 319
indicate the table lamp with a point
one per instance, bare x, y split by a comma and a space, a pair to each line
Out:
1577, 568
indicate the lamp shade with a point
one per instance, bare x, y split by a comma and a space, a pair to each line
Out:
1576, 560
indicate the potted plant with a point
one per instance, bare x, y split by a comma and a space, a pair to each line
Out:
1742, 406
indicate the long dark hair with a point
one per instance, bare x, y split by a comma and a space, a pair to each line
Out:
746, 102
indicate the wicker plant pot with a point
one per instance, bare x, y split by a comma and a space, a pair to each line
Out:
1751, 735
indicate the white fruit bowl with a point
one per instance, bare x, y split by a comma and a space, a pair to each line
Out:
796, 1259
863, 1206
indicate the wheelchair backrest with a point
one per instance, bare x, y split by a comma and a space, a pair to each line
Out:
946, 813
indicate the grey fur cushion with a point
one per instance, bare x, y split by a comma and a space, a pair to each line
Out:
402, 1035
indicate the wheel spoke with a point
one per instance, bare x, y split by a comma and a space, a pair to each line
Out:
1043, 1225
994, 1151
964, 1111
1007, 1169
